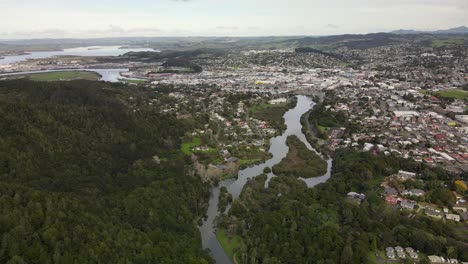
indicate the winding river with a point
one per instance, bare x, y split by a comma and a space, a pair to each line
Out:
279, 150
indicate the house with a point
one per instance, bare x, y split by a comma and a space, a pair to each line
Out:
405, 175
453, 217
413, 255
413, 192
401, 254
391, 191
460, 209
391, 199
435, 259
390, 253
232, 160
399, 249
408, 204
434, 213
356, 197
278, 101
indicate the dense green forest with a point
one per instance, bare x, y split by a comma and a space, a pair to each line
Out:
290, 223
86, 178
300, 161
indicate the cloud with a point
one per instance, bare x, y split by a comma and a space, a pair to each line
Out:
332, 26
106, 18
227, 28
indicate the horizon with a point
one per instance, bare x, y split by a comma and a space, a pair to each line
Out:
418, 31
54, 19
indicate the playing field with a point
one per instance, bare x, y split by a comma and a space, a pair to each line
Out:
61, 76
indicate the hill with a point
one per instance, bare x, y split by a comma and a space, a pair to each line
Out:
78, 182
457, 30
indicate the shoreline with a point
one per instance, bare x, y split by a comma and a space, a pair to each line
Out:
278, 149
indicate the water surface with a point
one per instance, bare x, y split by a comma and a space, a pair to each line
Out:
94, 51
279, 150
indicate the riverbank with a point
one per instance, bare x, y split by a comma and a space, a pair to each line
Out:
279, 151
300, 161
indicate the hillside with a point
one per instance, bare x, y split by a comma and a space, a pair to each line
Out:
78, 181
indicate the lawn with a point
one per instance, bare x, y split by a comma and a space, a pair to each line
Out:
229, 244
62, 76
187, 147
323, 129
455, 94
250, 162
448, 42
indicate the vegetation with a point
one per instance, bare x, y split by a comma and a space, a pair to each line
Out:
290, 223
61, 76
455, 94
273, 114
133, 81
79, 181
225, 198
230, 244
448, 94
321, 119
454, 41
300, 161
187, 147
465, 87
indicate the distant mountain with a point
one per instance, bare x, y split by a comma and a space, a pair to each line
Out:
407, 32
458, 30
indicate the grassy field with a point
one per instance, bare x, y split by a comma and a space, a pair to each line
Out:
448, 42
61, 76
187, 147
230, 245
323, 129
455, 94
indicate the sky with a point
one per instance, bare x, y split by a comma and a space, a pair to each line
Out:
126, 18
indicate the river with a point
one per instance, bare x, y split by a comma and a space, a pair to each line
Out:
108, 75
94, 51
279, 150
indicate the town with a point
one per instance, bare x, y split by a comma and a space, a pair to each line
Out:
405, 101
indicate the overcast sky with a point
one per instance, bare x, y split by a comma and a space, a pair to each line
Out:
115, 18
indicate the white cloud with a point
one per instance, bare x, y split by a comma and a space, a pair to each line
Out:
106, 18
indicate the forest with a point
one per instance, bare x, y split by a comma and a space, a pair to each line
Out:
290, 223
85, 178
300, 161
